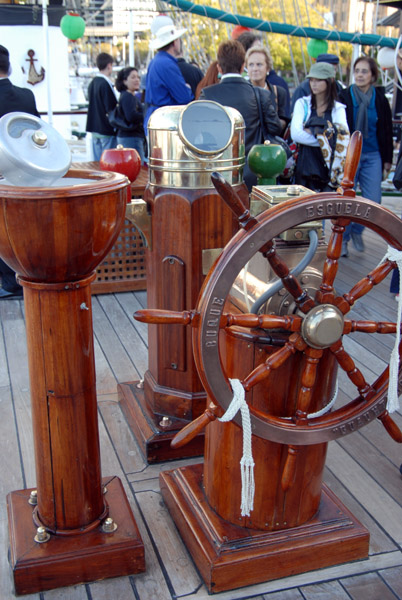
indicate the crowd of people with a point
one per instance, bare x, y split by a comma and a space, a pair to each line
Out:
318, 117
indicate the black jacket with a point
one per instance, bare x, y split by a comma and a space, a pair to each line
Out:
239, 93
192, 74
101, 100
131, 108
13, 98
384, 121
279, 93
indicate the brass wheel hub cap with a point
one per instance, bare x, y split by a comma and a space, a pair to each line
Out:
322, 326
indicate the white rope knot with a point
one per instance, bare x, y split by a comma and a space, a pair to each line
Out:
247, 462
393, 403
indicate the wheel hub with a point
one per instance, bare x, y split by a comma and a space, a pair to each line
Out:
322, 326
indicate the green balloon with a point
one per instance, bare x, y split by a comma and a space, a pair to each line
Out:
72, 26
316, 47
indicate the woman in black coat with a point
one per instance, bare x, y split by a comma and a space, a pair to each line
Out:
127, 83
368, 111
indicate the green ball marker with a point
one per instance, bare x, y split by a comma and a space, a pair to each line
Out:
267, 161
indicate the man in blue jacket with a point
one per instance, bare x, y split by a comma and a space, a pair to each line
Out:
165, 84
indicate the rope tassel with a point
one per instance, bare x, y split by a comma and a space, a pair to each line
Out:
393, 402
246, 462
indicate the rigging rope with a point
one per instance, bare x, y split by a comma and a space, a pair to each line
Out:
292, 58
365, 39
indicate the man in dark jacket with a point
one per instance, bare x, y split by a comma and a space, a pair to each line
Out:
235, 91
102, 99
12, 98
192, 74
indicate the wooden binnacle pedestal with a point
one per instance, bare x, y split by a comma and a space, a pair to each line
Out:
75, 527
190, 224
189, 229
289, 531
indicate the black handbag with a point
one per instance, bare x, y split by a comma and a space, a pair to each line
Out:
397, 180
117, 119
311, 165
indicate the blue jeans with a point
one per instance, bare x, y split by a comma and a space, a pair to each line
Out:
369, 175
99, 144
133, 142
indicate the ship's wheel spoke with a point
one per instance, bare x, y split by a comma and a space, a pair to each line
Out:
350, 326
302, 299
287, 322
191, 317
276, 359
304, 397
346, 363
326, 292
362, 287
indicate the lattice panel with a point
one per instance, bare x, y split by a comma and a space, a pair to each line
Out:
124, 267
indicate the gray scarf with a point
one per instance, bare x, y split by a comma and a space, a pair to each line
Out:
363, 100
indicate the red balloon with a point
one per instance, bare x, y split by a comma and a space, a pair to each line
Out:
238, 30
126, 161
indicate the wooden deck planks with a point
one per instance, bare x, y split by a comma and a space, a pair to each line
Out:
369, 586
374, 498
15, 342
324, 591
393, 578
380, 541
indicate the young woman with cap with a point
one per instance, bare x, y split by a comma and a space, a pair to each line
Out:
312, 117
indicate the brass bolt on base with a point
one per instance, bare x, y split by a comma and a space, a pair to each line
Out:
166, 422
33, 498
42, 535
109, 525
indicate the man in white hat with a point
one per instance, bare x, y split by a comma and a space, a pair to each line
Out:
165, 85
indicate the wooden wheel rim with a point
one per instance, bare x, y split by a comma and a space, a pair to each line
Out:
219, 282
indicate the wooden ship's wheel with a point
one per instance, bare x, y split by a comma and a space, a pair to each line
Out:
296, 377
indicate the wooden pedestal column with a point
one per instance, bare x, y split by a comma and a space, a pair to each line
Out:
291, 529
189, 229
81, 528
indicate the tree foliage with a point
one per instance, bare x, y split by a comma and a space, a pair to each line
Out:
288, 52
